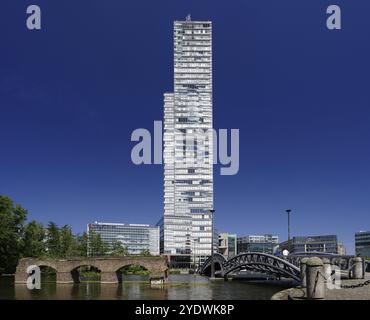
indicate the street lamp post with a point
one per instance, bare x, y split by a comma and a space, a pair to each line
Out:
288, 211
212, 212
194, 265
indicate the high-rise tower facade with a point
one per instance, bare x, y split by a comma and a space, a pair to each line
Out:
186, 227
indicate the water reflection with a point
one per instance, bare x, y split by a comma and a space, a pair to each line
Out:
184, 287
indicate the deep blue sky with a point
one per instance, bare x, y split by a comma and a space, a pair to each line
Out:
71, 94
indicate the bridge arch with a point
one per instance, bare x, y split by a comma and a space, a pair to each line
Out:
21, 271
124, 265
44, 263
219, 261
48, 271
77, 270
258, 262
263, 263
139, 268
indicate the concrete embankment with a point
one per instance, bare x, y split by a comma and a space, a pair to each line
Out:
359, 293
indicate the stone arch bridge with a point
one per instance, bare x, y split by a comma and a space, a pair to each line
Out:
67, 269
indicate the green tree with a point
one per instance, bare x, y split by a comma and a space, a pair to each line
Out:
53, 240
145, 253
118, 249
81, 244
33, 240
67, 241
11, 227
97, 247
135, 269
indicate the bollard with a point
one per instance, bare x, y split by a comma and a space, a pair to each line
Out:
303, 266
327, 270
315, 278
358, 268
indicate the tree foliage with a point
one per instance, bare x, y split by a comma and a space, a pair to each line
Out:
53, 238
96, 246
118, 249
145, 253
33, 240
67, 241
19, 239
81, 242
12, 219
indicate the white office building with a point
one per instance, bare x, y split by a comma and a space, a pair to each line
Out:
186, 227
137, 238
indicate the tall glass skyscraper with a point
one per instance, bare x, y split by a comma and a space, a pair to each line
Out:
186, 227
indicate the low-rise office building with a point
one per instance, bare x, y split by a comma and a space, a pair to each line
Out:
267, 243
320, 243
362, 243
227, 245
137, 238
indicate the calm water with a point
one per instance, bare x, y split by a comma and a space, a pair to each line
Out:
185, 287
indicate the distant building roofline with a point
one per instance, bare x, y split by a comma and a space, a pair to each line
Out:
122, 224
193, 21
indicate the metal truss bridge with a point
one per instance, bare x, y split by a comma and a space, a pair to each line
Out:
271, 265
251, 261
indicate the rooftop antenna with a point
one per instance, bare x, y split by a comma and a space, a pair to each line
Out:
188, 17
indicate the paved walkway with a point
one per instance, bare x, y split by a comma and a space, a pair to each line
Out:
362, 293
350, 294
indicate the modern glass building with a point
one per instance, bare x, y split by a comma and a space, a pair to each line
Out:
227, 245
267, 243
362, 243
135, 237
186, 227
323, 243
